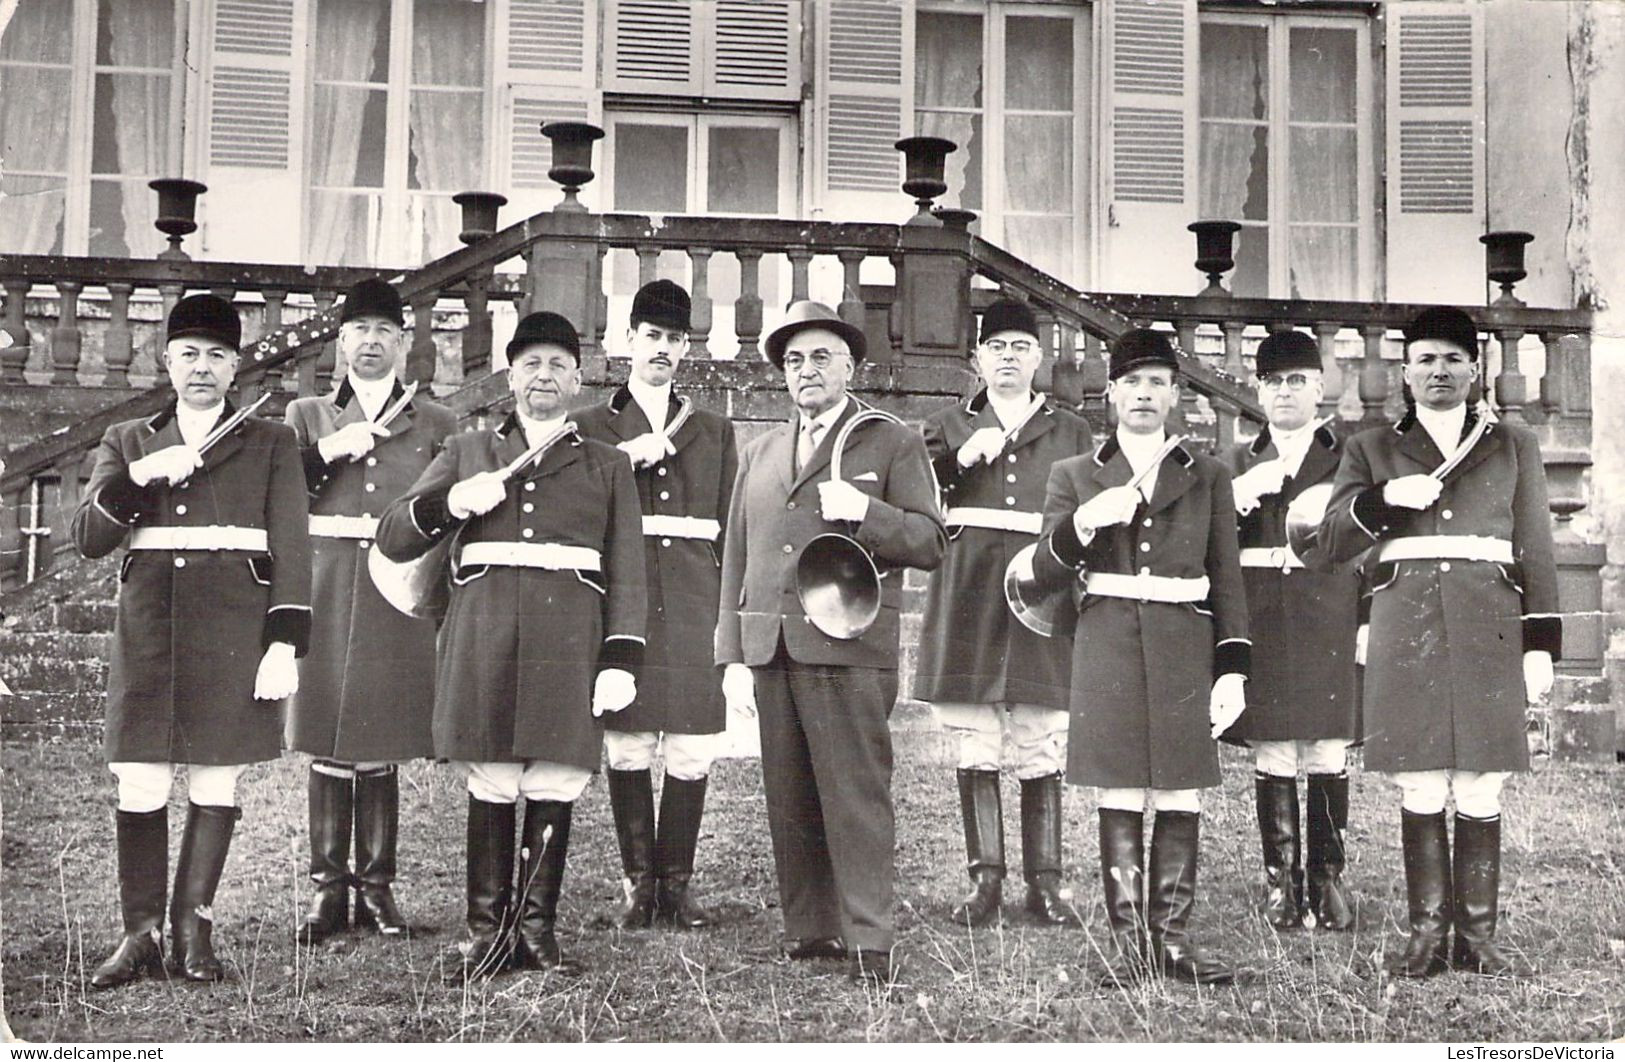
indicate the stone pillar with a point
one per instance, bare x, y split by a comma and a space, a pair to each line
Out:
933, 286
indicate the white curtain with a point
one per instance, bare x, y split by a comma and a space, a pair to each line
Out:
344, 45
1234, 166
447, 128
142, 34
33, 115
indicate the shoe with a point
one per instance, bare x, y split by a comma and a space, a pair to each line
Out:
1427, 888
143, 863
489, 948
541, 879
874, 968
1277, 801
1175, 845
377, 832
631, 798
1329, 899
1041, 851
682, 805
331, 811
1122, 877
981, 808
197, 876
1477, 873
815, 948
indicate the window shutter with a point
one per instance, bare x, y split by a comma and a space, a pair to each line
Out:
548, 52
1435, 151
653, 46
865, 105
1150, 145
254, 111
753, 49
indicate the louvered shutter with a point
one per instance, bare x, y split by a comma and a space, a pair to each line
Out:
1149, 146
254, 96
653, 46
1435, 151
865, 105
548, 52
752, 49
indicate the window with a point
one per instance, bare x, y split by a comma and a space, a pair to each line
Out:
88, 115
1009, 85
1284, 152
398, 126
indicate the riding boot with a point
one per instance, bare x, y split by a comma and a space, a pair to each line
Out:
682, 804
1122, 874
1427, 887
541, 879
631, 798
1329, 898
1277, 800
1175, 843
197, 876
330, 813
1041, 851
377, 831
983, 811
1478, 881
489, 948
143, 863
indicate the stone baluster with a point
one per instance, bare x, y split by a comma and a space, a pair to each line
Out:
699, 328
1049, 349
1511, 389
1331, 369
851, 308
1551, 381
800, 259
421, 358
118, 348
748, 307
1236, 367
316, 370
1185, 335
14, 355
65, 337
476, 342
1373, 374
170, 295
648, 263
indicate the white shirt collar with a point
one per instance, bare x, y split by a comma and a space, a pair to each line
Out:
1293, 445
372, 394
195, 424
654, 401
1009, 410
829, 416
1140, 449
1444, 425
537, 430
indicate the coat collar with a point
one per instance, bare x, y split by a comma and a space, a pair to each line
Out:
1319, 461
980, 410
510, 443
1417, 444
347, 410
164, 430
628, 421
1174, 477
1325, 435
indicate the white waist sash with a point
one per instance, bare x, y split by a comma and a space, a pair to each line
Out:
360, 527
682, 527
1448, 547
1165, 588
211, 537
549, 555
996, 519
1279, 557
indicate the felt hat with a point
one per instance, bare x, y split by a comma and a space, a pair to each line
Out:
809, 314
545, 326
208, 316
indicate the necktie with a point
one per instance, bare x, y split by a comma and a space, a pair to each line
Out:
807, 443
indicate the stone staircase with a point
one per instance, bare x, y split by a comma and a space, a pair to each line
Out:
55, 639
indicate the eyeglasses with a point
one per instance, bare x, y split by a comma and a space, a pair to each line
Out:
1275, 381
820, 359
1018, 346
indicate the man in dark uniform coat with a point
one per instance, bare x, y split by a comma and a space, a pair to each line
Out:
1463, 570
685, 474
544, 632
214, 607
826, 747
1301, 707
984, 673
367, 691
1160, 650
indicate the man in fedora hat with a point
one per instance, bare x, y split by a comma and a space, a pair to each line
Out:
984, 673
826, 748
1301, 707
1453, 503
213, 609
1142, 535
367, 690
543, 634
685, 461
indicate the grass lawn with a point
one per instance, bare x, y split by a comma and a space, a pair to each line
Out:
1563, 895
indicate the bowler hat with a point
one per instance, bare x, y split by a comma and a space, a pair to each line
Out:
545, 326
208, 316
1281, 351
662, 303
1445, 323
1140, 346
808, 314
372, 298
1008, 315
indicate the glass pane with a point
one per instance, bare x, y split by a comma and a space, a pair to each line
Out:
1038, 166
1322, 70
130, 127
1323, 168
121, 217
351, 42
1044, 241
40, 31
742, 170
651, 168
963, 173
437, 221
1235, 71
341, 229
1251, 277
446, 149
1324, 263
947, 60
1038, 64
1234, 172
33, 118
137, 33
347, 150
448, 43
31, 211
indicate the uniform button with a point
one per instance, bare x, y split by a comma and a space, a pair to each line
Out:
371, 487
1145, 547
366, 516
180, 562
530, 486
1145, 571
527, 533
661, 471
372, 462
1147, 522
1009, 501
1011, 459
665, 542
180, 510
184, 486
364, 545
789, 548
1011, 478
1447, 514
665, 495
529, 507
790, 505
1444, 566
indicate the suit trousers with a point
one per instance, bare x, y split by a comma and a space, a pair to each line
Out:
826, 769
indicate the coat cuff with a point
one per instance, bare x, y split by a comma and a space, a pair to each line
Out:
432, 516
1066, 545
318, 473
125, 502
623, 652
288, 623
1544, 633
1375, 516
1233, 656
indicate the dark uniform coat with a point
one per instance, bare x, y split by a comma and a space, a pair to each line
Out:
1444, 667
972, 649
1142, 672
366, 691
192, 626
1302, 621
678, 689
520, 648
774, 514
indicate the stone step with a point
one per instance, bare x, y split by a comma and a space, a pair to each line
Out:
82, 710
82, 617
52, 661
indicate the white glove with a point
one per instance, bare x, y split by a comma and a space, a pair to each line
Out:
278, 676
1412, 492
476, 495
647, 449
1537, 675
351, 441
984, 445
1362, 643
1226, 703
1266, 477
1114, 505
613, 690
839, 501
172, 464
739, 689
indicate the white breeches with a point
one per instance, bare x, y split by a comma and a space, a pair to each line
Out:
145, 786
1037, 734
1283, 759
1155, 799
505, 783
1478, 793
688, 756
